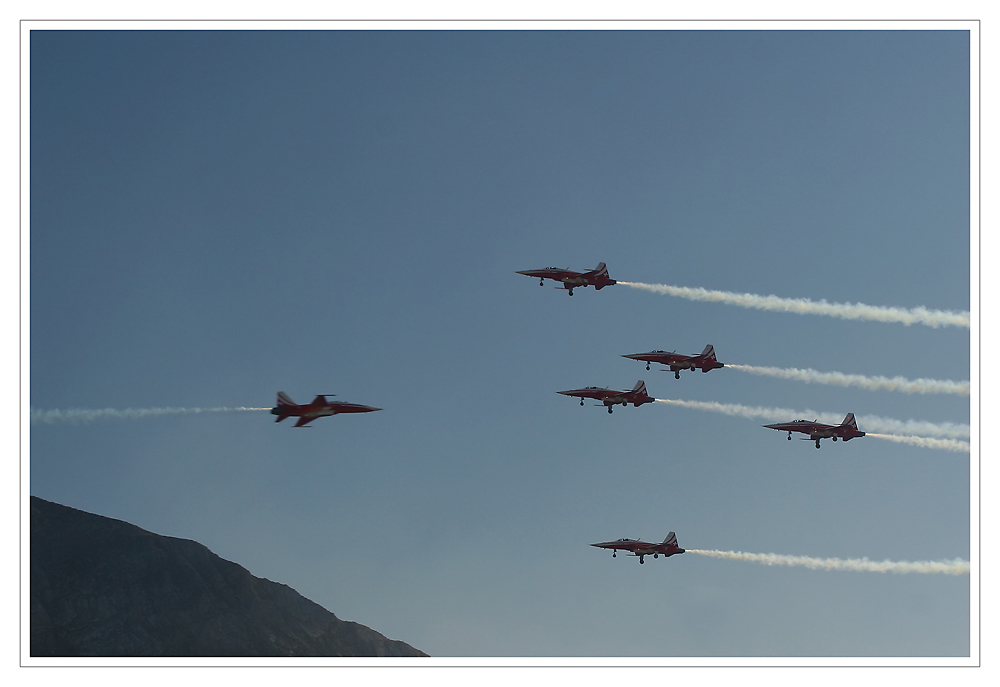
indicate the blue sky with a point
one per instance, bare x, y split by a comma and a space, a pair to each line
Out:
216, 216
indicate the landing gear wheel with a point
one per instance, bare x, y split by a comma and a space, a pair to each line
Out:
656, 555
817, 443
647, 366
834, 439
571, 292
541, 282
614, 555
789, 436
641, 561
677, 374
610, 410
581, 401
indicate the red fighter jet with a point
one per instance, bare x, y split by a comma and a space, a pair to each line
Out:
597, 277
643, 548
846, 430
320, 407
677, 362
609, 397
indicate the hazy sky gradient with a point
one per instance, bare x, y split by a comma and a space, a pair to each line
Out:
216, 216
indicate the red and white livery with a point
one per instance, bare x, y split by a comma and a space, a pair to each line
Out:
320, 407
846, 430
668, 547
597, 277
677, 361
609, 397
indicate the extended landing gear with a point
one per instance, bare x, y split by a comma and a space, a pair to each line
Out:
656, 555
614, 554
647, 366
581, 401
817, 443
834, 439
610, 410
641, 561
789, 436
571, 292
541, 282
677, 374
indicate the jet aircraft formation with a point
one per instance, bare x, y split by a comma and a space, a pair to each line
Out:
637, 396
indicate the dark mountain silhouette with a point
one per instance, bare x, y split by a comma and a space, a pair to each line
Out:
103, 587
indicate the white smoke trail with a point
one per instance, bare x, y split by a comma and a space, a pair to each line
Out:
872, 422
79, 415
918, 427
943, 444
804, 306
901, 384
953, 567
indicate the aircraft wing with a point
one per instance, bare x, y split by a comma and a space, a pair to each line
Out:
351, 408
595, 393
555, 273
303, 421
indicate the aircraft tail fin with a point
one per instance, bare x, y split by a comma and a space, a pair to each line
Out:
599, 277
849, 421
283, 407
640, 387
709, 353
671, 539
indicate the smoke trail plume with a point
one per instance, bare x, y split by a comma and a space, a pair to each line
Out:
866, 422
943, 444
804, 306
953, 567
79, 415
940, 429
901, 384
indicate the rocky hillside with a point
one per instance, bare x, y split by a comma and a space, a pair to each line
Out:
103, 587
